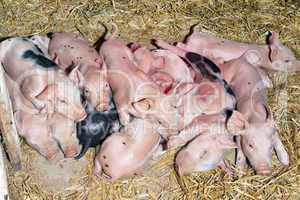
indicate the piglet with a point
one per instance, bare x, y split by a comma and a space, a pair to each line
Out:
69, 50
129, 83
124, 153
164, 61
93, 130
207, 138
31, 124
64, 132
273, 56
260, 137
47, 133
40, 80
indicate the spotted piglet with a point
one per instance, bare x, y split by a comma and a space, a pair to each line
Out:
40, 80
260, 137
93, 130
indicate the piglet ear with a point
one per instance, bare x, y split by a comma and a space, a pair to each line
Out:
281, 153
76, 76
273, 39
274, 44
225, 142
143, 105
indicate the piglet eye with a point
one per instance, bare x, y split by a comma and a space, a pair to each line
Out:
63, 101
86, 92
251, 146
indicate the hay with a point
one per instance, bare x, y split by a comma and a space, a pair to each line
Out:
145, 19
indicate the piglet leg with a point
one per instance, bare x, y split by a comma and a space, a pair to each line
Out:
31, 95
97, 168
196, 127
225, 167
240, 157
281, 153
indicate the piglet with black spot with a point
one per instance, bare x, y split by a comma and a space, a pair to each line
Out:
92, 131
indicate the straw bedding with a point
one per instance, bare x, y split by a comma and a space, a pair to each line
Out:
170, 20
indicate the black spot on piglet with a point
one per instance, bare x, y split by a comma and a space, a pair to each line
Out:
39, 59
50, 35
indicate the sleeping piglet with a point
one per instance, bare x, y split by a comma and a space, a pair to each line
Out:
163, 62
40, 80
69, 50
93, 130
207, 138
260, 137
30, 124
124, 153
47, 133
273, 56
128, 82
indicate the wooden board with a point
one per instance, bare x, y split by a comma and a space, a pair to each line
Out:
3, 176
8, 126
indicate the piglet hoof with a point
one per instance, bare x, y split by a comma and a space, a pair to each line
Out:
237, 123
106, 177
124, 118
223, 165
97, 169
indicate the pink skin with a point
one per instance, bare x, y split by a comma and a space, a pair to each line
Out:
260, 138
69, 50
273, 56
185, 101
64, 132
205, 97
145, 59
125, 153
249, 88
163, 61
34, 128
129, 83
43, 131
163, 67
37, 84
209, 140
163, 80
203, 153
206, 123
30, 124
174, 66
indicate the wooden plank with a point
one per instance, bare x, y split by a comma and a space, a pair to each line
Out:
3, 176
8, 126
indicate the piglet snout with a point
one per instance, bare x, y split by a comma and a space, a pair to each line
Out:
71, 151
51, 154
264, 170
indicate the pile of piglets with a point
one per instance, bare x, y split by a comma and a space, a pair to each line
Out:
202, 97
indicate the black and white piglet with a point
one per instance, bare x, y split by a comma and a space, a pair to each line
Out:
96, 127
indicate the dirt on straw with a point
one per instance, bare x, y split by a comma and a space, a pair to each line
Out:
140, 21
